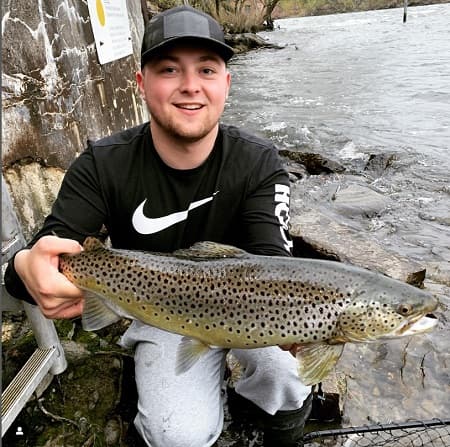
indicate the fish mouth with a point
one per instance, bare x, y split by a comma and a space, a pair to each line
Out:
419, 324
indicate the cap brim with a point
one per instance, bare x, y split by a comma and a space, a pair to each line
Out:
222, 49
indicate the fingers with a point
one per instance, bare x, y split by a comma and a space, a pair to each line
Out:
65, 310
38, 268
292, 348
286, 347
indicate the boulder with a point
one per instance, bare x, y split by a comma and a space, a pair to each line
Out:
314, 231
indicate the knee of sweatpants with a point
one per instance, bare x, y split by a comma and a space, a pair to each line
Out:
270, 380
179, 430
271, 366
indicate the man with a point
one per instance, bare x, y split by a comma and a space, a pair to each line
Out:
161, 186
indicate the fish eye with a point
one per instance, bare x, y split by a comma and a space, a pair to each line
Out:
404, 309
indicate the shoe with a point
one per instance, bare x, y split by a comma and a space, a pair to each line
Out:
325, 406
283, 429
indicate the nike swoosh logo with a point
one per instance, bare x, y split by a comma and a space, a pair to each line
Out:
147, 225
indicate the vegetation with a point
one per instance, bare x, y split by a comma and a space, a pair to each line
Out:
236, 16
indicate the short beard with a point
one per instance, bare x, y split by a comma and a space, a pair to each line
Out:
183, 137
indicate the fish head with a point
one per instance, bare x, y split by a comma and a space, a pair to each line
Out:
385, 311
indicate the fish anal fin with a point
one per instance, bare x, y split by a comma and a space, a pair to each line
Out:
209, 250
189, 352
96, 315
316, 360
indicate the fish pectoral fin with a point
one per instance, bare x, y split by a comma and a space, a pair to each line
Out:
209, 250
315, 361
96, 315
189, 351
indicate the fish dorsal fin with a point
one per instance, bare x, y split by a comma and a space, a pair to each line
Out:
189, 352
96, 315
315, 361
92, 243
209, 250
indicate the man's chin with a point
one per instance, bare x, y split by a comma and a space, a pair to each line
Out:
185, 132
189, 135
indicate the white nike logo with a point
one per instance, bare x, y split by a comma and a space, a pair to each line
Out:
147, 225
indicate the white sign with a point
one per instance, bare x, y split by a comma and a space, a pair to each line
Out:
112, 35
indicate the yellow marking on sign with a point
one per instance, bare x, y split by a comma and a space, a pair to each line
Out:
100, 12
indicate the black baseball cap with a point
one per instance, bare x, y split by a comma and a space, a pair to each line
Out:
183, 23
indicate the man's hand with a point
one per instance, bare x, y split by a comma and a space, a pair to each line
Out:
292, 348
38, 268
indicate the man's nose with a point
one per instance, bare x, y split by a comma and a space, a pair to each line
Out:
190, 82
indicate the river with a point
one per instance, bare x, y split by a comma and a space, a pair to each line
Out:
350, 85
346, 87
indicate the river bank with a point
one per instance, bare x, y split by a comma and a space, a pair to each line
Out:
293, 8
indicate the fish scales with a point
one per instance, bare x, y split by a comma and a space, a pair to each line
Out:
222, 296
232, 306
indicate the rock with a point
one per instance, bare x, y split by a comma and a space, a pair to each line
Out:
439, 214
405, 380
33, 190
439, 272
359, 200
314, 163
317, 232
112, 432
296, 170
248, 41
74, 350
378, 163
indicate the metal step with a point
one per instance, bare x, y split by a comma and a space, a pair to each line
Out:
24, 384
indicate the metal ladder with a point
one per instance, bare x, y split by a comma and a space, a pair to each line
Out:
48, 359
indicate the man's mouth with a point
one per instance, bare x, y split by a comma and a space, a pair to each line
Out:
189, 106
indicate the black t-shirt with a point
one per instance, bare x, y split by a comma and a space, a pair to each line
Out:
238, 196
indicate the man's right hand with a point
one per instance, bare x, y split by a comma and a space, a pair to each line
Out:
38, 268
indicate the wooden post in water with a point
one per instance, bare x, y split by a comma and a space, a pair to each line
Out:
405, 10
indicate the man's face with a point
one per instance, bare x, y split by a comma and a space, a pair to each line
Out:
185, 90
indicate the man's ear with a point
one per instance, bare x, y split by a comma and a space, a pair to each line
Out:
228, 84
140, 83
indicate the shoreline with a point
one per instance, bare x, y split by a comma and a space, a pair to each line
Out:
291, 9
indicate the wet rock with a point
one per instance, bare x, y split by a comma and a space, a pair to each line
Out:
439, 272
399, 383
378, 163
295, 170
359, 200
315, 163
441, 217
316, 232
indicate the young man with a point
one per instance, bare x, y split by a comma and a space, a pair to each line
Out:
165, 185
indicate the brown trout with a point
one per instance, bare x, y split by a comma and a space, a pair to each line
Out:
220, 296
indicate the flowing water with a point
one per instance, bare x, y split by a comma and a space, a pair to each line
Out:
350, 85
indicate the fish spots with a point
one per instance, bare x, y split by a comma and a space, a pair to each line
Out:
255, 301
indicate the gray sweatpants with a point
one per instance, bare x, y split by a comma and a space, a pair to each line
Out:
186, 410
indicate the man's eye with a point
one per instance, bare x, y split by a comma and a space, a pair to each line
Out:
168, 70
208, 71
